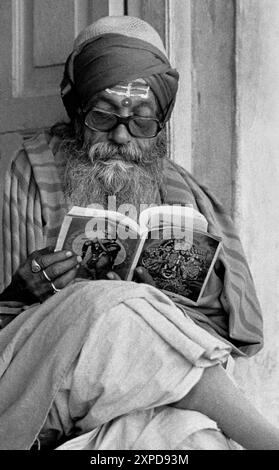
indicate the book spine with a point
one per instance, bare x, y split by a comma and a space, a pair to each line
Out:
209, 271
64, 229
130, 272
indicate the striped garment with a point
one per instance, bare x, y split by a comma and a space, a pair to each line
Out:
34, 207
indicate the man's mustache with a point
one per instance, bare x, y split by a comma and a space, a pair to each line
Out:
106, 151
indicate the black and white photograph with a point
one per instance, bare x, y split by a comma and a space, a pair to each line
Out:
133, 108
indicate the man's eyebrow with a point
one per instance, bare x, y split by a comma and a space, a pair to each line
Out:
102, 98
145, 104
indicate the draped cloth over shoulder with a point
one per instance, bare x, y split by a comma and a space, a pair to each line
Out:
34, 208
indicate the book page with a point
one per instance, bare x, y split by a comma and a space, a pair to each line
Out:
104, 243
182, 265
179, 215
92, 212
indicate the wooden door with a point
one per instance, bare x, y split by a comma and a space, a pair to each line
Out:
35, 39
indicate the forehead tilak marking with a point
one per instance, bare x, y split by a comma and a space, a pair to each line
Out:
131, 90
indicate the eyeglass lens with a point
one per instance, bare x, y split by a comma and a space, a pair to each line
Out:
137, 126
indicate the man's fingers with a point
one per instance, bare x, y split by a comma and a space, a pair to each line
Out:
43, 251
47, 289
65, 279
57, 269
113, 276
142, 275
47, 258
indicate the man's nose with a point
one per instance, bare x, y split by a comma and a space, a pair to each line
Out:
120, 134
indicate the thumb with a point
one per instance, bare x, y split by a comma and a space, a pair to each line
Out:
113, 276
142, 275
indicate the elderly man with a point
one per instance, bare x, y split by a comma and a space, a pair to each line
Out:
101, 359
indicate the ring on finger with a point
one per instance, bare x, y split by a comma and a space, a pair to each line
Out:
46, 276
35, 266
54, 288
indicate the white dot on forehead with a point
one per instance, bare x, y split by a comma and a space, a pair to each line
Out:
135, 89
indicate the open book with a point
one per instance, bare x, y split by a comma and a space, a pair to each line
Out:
171, 242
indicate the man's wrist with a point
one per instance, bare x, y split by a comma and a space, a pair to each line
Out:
18, 291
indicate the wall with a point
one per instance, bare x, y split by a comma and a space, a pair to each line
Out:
235, 141
256, 199
213, 88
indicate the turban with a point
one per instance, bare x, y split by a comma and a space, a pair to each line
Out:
104, 60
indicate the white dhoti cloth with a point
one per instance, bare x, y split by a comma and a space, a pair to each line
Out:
103, 360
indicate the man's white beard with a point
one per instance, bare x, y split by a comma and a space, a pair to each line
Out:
105, 169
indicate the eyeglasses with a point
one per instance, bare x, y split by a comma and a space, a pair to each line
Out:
145, 127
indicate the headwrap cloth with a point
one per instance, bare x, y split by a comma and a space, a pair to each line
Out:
106, 60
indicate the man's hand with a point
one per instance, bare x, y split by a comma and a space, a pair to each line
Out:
56, 270
141, 275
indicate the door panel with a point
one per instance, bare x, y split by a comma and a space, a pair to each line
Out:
153, 11
36, 37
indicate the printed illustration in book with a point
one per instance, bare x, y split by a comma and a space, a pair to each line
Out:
171, 242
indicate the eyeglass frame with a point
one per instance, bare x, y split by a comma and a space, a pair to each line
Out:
123, 120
